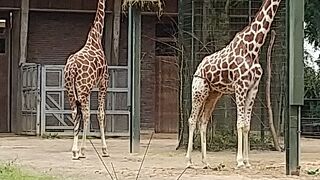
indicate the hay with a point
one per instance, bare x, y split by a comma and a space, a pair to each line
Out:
144, 5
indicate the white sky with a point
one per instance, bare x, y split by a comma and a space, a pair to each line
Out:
313, 52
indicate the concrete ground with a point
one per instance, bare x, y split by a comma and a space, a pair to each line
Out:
53, 157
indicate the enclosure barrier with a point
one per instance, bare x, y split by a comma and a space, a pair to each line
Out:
45, 105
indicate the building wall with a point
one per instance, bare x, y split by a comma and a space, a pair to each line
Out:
10, 3
53, 37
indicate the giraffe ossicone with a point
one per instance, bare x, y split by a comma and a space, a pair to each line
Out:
84, 70
234, 69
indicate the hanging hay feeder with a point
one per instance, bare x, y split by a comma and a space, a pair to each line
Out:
144, 5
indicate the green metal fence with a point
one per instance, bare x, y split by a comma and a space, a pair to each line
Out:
310, 117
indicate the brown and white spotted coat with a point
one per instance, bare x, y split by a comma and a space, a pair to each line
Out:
234, 69
84, 70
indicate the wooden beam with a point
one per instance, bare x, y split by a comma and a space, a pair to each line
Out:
116, 32
108, 38
24, 31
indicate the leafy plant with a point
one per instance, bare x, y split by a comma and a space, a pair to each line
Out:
312, 16
226, 140
9, 171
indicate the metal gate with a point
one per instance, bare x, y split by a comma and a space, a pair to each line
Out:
56, 112
30, 121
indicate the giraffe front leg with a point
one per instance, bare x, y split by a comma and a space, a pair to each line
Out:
103, 138
240, 163
240, 101
246, 146
86, 118
248, 111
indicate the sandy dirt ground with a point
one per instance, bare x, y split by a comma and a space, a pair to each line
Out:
53, 157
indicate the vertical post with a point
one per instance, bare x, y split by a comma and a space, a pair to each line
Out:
24, 30
134, 46
38, 125
295, 18
192, 35
43, 100
116, 31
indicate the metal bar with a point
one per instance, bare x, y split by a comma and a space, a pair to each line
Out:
249, 13
38, 100
108, 112
68, 132
56, 116
10, 8
295, 18
192, 33
43, 100
65, 10
113, 101
136, 78
135, 45
54, 102
130, 34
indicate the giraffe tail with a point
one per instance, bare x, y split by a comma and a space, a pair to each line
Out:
79, 115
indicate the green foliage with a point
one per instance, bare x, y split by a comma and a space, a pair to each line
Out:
312, 16
226, 140
311, 78
51, 136
9, 171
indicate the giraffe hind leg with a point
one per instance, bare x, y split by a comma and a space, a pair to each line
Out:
86, 118
207, 112
200, 92
77, 114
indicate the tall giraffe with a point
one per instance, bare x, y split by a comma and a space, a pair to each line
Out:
234, 69
84, 70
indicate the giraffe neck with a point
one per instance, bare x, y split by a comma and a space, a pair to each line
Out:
262, 22
96, 31
254, 35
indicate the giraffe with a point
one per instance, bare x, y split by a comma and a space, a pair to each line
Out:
84, 70
235, 69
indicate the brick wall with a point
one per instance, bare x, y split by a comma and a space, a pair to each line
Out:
148, 72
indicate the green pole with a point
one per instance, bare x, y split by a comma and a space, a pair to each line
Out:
295, 18
134, 49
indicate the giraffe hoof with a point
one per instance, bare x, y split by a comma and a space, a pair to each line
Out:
75, 155
105, 152
75, 158
240, 166
248, 165
82, 156
105, 155
190, 166
207, 166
